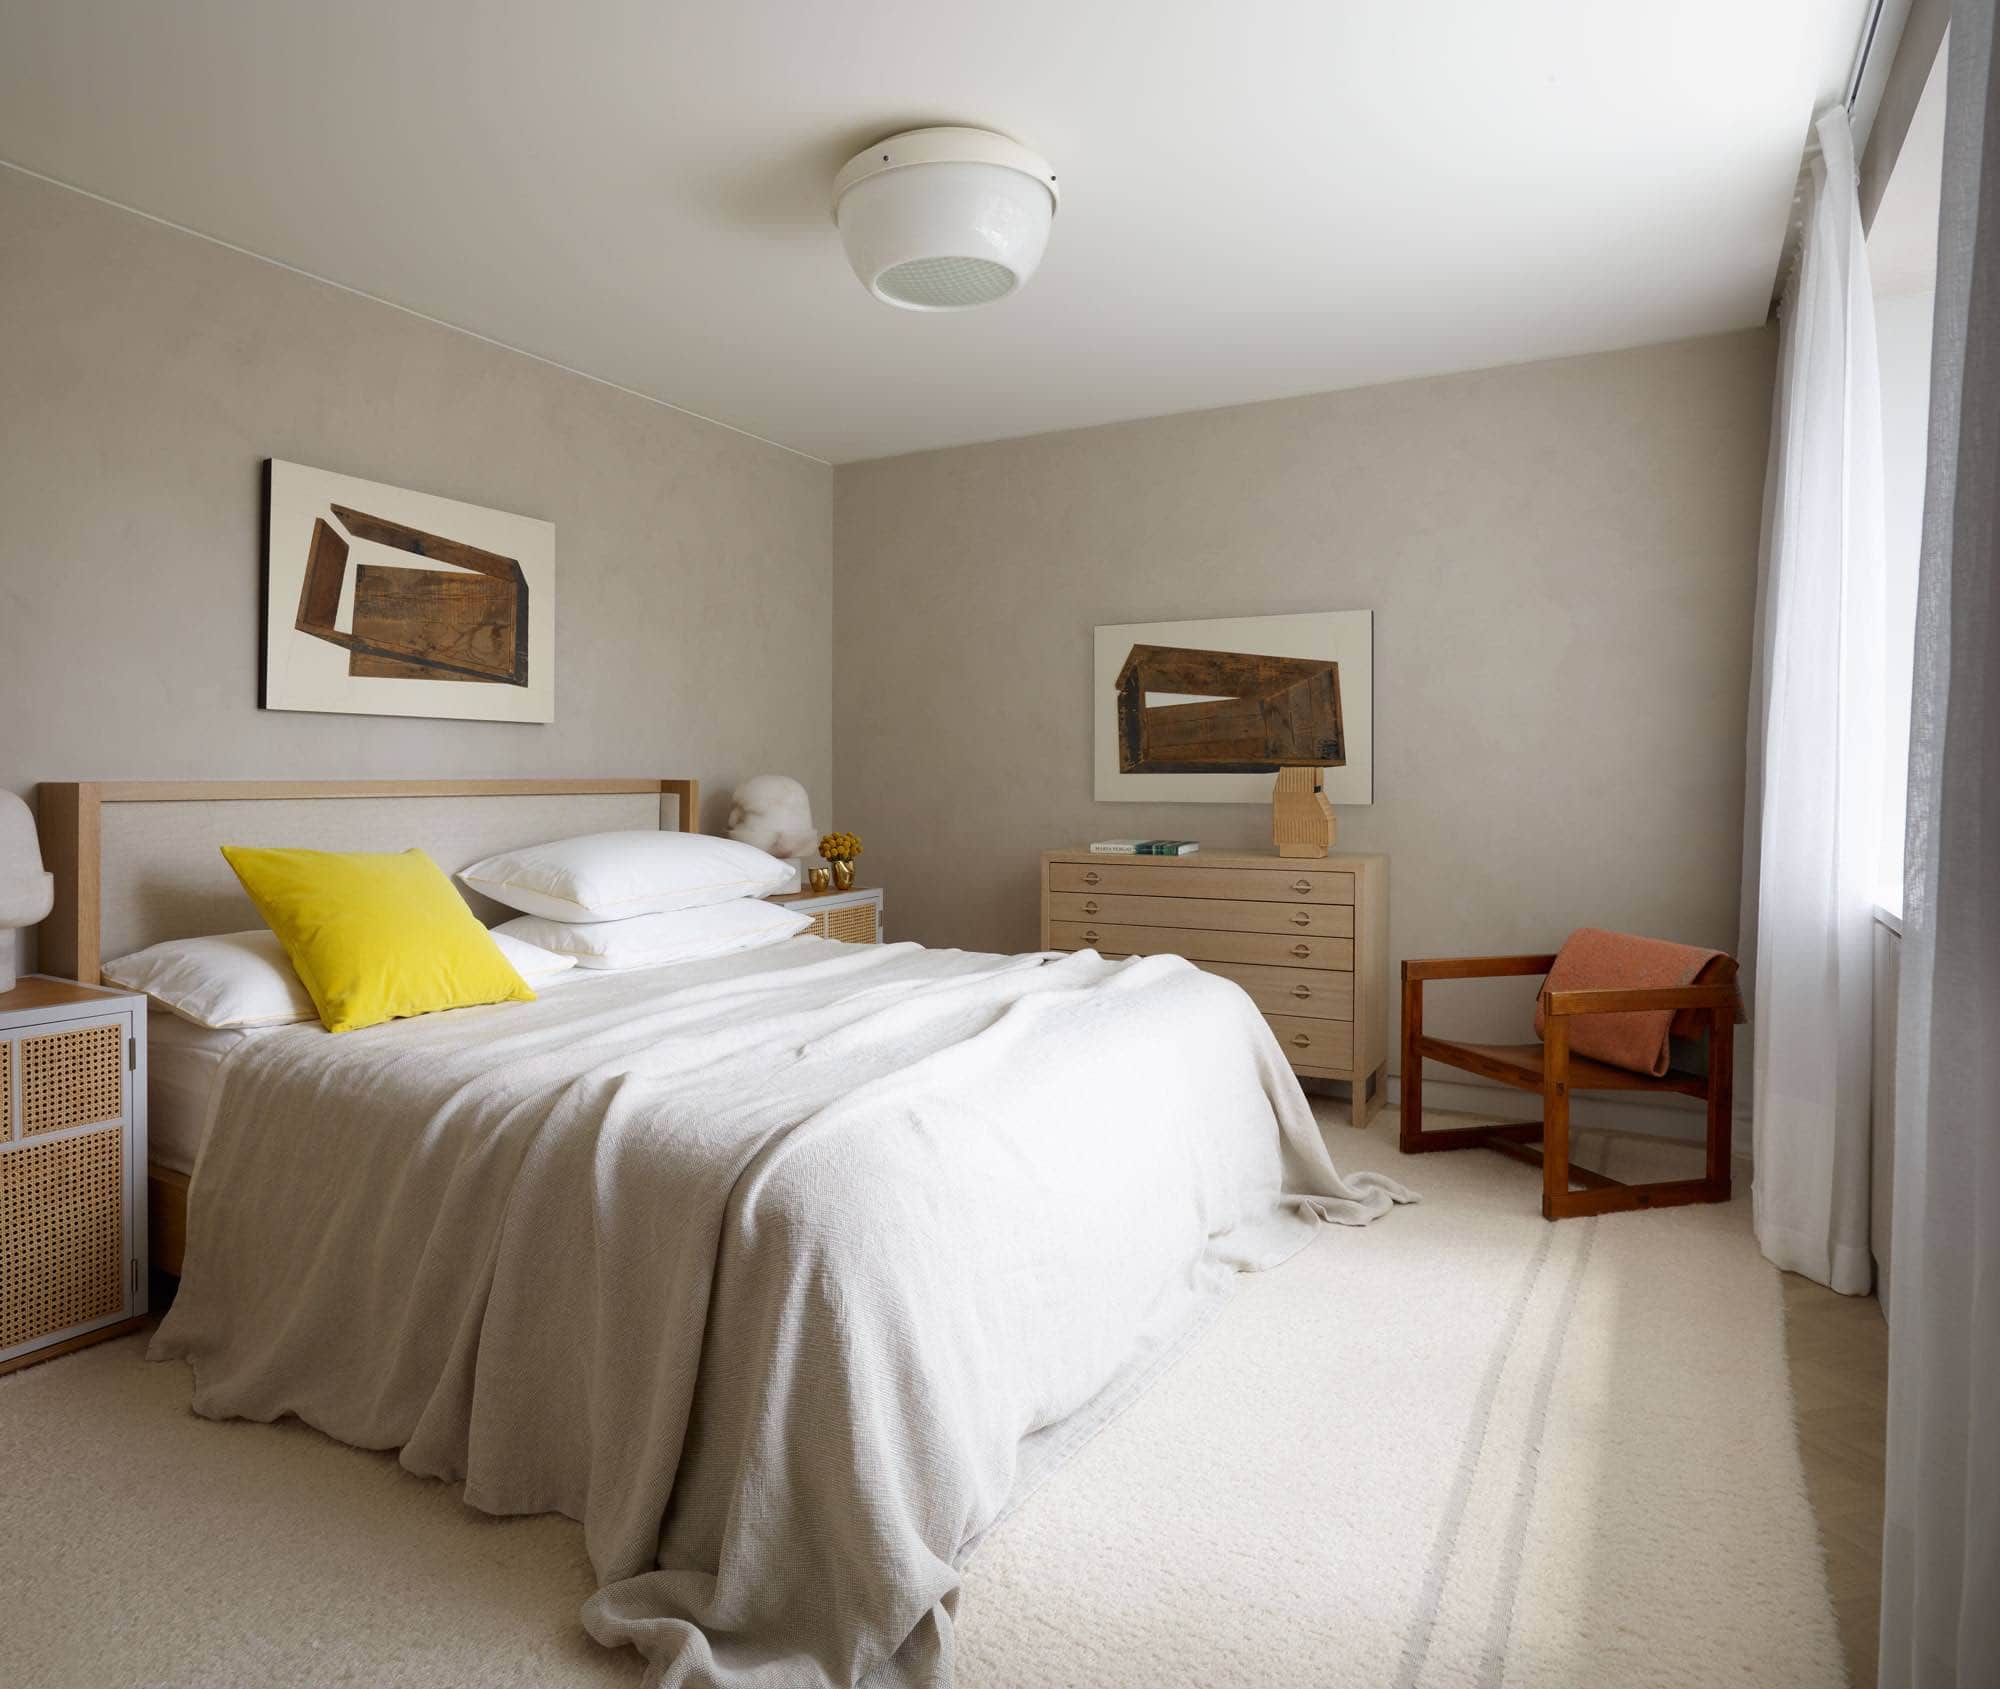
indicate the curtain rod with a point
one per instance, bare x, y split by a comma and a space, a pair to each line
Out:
1861, 53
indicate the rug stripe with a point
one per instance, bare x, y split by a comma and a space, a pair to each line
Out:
1500, 1627
1416, 1650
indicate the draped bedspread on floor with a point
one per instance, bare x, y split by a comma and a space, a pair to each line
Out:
784, 1274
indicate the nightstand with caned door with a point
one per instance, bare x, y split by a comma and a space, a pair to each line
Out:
853, 916
72, 1167
1307, 939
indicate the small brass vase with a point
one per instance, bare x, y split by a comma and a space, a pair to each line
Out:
843, 874
821, 879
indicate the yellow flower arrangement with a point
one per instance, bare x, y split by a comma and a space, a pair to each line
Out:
840, 847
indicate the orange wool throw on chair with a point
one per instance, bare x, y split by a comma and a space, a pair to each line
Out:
1592, 959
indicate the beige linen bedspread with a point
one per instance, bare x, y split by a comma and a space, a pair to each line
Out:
786, 1274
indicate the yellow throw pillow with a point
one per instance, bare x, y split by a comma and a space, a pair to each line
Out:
375, 937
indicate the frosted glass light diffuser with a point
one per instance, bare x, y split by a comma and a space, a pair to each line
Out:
944, 219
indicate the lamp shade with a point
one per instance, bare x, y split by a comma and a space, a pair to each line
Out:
26, 892
944, 219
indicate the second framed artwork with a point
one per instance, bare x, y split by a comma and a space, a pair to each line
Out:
1208, 711
383, 601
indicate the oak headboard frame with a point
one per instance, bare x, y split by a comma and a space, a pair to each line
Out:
70, 816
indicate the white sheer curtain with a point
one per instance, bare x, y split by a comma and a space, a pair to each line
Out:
1813, 818
1941, 1535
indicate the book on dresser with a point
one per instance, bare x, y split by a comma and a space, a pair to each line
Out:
1307, 938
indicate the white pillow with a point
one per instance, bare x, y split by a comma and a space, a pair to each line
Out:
231, 979
246, 979
677, 935
614, 876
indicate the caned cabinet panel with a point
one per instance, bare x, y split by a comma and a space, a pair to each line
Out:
1304, 885
1321, 920
1315, 993
852, 924
846, 923
62, 1234
1277, 949
1314, 1043
72, 1077
6, 1090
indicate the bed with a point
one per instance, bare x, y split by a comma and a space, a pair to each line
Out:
786, 1273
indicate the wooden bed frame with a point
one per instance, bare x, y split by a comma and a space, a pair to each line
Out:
71, 817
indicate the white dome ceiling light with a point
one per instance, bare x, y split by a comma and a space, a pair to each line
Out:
944, 219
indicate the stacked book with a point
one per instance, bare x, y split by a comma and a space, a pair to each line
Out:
1145, 847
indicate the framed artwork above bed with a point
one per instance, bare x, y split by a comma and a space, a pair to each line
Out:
383, 601
1208, 711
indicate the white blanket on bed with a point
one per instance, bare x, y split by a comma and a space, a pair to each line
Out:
785, 1274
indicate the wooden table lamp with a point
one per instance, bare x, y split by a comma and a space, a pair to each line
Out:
1238, 713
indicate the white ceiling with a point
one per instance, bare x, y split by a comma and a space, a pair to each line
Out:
1903, 239
1260, 198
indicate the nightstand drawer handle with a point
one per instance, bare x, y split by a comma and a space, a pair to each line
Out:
1302, 992
1090, 935
1090, 879
1300, 1040
1302, 886
1090, 908
1302, 949
1302, 919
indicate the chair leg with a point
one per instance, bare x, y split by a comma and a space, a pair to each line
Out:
1410, 1133
1721, 1098
1555, 1120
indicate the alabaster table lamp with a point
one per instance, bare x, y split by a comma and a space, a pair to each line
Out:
773, 812
27, 892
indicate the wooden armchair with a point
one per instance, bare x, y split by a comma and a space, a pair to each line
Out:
1548, 1067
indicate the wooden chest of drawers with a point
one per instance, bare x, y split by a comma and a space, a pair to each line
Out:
1308, 939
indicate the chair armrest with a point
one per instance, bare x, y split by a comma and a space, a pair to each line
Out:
1475, 967
1625, 1002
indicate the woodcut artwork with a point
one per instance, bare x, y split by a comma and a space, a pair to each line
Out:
1238, 712
1206, 711
418, 624
383, 600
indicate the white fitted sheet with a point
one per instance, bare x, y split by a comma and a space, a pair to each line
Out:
183, 1063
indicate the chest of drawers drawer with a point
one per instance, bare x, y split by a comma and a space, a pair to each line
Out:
1220, 914
1161, 879
1314, 1043
1281, 950
1315, 993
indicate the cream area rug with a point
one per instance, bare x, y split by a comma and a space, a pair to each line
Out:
1462, 1447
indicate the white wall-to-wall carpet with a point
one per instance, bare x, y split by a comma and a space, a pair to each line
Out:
1460, 1447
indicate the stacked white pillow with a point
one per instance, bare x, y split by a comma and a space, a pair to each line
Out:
639, 899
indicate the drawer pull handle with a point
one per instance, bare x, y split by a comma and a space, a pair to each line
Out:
1090, 908
1090, 935
1302, 919
1300, 1040
1302, 949
1090, 879
1302, 886
1302, 992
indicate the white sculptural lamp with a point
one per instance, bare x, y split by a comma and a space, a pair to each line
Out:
27, 892
773, 812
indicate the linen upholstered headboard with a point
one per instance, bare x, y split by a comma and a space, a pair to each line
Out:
139, 861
